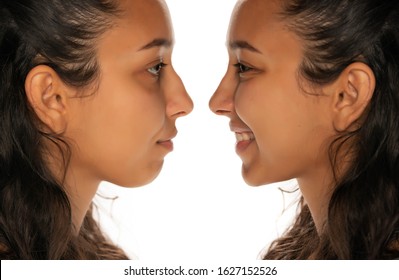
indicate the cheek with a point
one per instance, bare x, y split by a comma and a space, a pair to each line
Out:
257, 105
246, 102
127, 117
129, 156
132, 127
277, 115
288, 128
116, 133
272, 104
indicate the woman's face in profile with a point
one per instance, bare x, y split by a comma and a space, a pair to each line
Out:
123, 131
281, 130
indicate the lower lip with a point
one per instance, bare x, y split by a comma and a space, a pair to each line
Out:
167, 144
242, 146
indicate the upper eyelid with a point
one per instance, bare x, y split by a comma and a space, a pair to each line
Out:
239, 64
243, 62
155, 62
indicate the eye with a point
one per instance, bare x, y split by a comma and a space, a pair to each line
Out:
242, 68
156, 70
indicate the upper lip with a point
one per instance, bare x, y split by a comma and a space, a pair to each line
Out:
234, 127
168, 138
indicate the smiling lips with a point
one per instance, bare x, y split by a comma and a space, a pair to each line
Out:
244, 139
244, 136
243, 133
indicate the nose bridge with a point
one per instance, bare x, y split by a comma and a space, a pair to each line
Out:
178, 102
222, 101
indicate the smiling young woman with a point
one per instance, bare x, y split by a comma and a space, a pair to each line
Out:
88, 94
312, 93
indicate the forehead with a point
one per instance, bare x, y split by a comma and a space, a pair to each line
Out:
255, 19
141, 21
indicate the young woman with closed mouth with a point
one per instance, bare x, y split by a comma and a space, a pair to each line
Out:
88, 94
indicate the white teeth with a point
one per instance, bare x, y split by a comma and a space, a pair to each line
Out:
244, 136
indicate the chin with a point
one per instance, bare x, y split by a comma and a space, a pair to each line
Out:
256, 178
145, 177
251, 179
252, 182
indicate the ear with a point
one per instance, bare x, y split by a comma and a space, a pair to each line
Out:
352, 93
47, 95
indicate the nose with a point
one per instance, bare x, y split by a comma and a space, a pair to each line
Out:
222, 101
179, 103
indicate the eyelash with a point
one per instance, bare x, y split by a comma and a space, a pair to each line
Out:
242, 68
156, 70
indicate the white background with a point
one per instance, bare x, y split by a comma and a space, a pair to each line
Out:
199, 208
198, 212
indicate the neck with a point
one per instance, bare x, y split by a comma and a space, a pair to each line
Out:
81, 190
79, 184
317, 190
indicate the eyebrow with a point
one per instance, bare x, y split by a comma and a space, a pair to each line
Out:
243, 45
159, 42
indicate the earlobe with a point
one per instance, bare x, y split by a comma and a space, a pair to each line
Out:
353, 92
47, 96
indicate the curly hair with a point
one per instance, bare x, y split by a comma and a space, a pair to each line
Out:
363, 213
35, 212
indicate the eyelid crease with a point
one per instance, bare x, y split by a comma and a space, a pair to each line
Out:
155, 61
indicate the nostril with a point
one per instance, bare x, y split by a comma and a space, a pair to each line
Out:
180, 114
221, 106
222, 112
